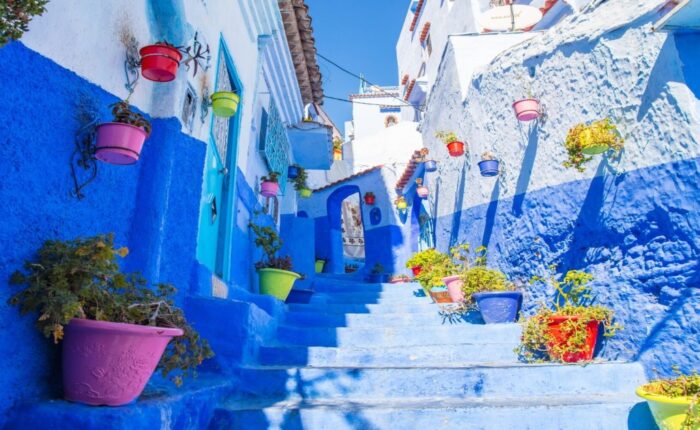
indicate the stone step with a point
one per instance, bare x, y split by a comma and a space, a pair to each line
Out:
358, 308
515, 380
406, 296
399, 336
570, 413
456, 355
428, 318
360, 287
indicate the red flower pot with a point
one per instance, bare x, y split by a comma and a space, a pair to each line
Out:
416, 270
561, 335
369, 200
269, 188
159, 62
106, 363
455, 149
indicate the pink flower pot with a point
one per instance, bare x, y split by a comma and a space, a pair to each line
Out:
454, 287
422, 192
119, 143
269, 189
527, 109
106, 363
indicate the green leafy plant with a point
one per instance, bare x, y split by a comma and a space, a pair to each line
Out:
271, 177
573, 298
475, 276
337, 144
81, 279
15, 16
300, 180
269, 241
582, 137
682, 386
123, 113
488, 156
434, 264
447, 136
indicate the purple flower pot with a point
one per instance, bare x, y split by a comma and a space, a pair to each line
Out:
498, 307
106, 363
489, 167
119, 143
269, 188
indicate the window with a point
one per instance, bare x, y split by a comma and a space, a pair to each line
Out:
188, 108
428, 46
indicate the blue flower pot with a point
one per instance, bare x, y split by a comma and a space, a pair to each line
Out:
499, 307
378, 278
430, 166
489, 167
292, 172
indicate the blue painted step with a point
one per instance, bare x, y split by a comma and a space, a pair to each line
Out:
492, 383
318, 319
456, 355
399, 336
421, 305
578, 413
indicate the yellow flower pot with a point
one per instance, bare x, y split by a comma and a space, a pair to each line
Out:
224, 103
669, 412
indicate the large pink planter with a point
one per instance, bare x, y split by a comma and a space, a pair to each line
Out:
422, 192
527, 109
454, 287
119, 143
269, 189
106, 363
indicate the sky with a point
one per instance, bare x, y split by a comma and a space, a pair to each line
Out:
361, 36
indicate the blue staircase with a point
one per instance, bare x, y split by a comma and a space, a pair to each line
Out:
370, 356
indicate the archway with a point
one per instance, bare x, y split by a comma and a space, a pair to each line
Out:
346, 229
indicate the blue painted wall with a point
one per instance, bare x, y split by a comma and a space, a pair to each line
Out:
151, 206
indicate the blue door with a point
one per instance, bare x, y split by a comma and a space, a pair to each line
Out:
216, 207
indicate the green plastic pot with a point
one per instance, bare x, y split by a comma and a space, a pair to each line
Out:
669, 413
277, 283
224, 103
305, 193
319, 265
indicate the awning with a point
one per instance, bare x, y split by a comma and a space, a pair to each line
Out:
312, 145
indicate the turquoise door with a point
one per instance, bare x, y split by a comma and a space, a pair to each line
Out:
218, 187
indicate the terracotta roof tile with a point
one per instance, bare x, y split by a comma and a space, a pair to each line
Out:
424, 32
409, 171
416, 15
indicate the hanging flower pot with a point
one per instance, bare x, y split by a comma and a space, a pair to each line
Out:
422, 192
269, 185
560, 334
369, 198
107, 363
292, 172
159, 62
454, 146
337, 154
488, 165
584, 140
401, 203
305, 193
225, 103
120, 142
430, 166
527, 109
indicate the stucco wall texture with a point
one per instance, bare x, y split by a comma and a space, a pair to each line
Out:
634, 223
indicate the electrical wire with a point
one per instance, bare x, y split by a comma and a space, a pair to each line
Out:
339, 99
365, 81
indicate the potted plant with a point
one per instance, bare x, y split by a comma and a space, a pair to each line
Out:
488, 165
369, 198
568, 332
528, 108
674, 401
319, 265
583, 140
401, 203
293, 171
377, 274
454, 146
84, 300
300, 183
269, 185
16, 16
224, 104
120, 141
493, 294
462, 262
421, 189
429, 268
160, 61
430, 166
275, 273
337, 149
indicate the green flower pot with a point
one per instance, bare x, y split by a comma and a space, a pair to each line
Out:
224, 103
305, 193
669, 413
276, 282
319, 265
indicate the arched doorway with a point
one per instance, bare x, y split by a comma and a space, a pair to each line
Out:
346, 228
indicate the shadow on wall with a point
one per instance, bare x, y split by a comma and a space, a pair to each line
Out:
491, 214
459, 200
687, 46
526, 166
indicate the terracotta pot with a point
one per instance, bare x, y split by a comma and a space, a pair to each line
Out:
556, 331
441, 296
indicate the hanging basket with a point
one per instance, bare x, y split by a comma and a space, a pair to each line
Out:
402, 206
119, 143
269, 188
305, 193
159, 62
489, 167
369, 199
422, 192
292, 172
527, 109
224, 104
456, 149
431, 166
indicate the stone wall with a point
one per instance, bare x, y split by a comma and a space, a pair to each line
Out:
634, 223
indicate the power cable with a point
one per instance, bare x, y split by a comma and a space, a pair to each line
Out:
365, 103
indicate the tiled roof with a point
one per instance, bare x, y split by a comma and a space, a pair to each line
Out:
340, 181
409, 171
376, 94
302, 45
416, 15
409, 89
424, 32
404, 79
